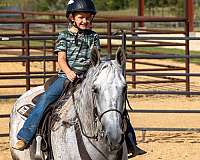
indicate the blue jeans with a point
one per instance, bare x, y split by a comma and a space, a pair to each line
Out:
28, 131
131, 130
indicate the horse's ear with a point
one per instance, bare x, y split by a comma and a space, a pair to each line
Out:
95, 57
120, 57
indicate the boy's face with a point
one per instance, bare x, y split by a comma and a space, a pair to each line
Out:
82, 20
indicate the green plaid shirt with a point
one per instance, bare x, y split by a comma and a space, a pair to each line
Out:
77, 48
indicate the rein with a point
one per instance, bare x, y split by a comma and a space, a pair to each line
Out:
78, 117
97, 117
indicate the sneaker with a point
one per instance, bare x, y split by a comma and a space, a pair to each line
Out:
20, 145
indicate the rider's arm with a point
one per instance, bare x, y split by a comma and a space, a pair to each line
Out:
71, 75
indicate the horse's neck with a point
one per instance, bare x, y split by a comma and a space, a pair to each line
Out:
85, 109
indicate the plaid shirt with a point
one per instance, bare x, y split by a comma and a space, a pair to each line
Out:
77, 47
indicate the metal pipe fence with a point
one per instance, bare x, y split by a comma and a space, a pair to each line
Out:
26, 39
135, 35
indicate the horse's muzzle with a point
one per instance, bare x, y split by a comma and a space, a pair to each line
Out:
115, 144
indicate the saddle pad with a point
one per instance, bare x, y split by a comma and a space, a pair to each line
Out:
25, 110
25, 104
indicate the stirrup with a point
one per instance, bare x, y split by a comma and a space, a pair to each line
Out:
38, 154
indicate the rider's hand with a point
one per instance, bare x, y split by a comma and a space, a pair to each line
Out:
71, 75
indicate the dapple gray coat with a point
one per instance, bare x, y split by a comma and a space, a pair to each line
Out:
99, 104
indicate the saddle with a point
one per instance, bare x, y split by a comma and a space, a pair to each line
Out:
51, 116
26, 109
46, 86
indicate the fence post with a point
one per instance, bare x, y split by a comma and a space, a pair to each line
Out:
141, 12
23, 33
187, 53
133, 52
54, 31
27, 53
189, 7
44, 61
109, 32
124, 50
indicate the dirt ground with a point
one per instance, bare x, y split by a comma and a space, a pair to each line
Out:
159, 145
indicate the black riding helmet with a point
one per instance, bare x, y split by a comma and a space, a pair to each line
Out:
80, 6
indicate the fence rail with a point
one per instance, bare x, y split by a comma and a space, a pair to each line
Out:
107, 27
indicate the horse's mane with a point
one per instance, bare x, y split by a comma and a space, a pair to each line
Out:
86, 106
84, 97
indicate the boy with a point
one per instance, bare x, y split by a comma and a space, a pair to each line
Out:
73, 47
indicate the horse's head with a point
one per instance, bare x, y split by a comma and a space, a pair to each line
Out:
108, 89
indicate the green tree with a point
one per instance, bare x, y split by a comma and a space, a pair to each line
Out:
151, 4
45, 5
24, 4
174, 2
133, 3
101, 5
163, 3
180, 8
41, 5
115, 4
111, 4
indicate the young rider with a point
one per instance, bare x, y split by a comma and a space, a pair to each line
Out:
73, 47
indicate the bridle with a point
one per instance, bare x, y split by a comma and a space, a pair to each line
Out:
97, 118
110, 110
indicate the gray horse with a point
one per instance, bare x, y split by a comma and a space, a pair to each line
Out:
91, 121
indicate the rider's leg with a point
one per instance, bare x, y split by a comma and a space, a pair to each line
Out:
131, 132
29, 128
132, 142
